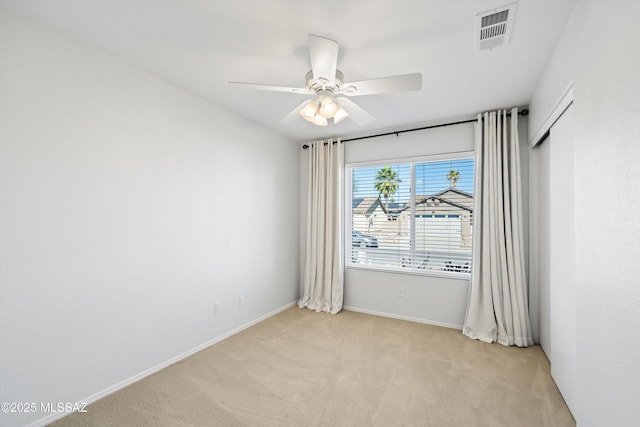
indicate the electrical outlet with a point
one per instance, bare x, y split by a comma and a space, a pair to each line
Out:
401, 291
216, 309
243, 301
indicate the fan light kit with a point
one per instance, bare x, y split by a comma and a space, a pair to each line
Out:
323, 106
326, 84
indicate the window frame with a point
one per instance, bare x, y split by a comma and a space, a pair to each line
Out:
412, 160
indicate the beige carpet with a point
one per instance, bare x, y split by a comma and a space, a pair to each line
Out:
301, 368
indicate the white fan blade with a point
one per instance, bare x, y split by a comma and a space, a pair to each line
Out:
356, 113
401, 83
256, 86
324, 58
295, 113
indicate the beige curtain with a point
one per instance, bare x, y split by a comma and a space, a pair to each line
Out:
498, 309
323, 265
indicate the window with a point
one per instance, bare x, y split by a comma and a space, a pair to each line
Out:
411, 216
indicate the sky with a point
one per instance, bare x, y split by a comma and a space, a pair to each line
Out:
431, 178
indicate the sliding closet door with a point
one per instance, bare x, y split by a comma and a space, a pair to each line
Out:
552, 276
540, 276
562, 289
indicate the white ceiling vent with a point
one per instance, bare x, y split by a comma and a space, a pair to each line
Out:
493, 27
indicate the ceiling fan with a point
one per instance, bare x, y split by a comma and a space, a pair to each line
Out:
330, 93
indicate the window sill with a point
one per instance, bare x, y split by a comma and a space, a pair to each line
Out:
413, 272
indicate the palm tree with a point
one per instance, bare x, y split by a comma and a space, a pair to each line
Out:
453, 176
387, 183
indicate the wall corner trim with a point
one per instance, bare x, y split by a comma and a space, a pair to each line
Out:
563, 102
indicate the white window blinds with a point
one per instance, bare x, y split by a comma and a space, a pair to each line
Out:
413, 215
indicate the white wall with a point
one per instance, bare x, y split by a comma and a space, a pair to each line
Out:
429, 299
598, 52
127, 208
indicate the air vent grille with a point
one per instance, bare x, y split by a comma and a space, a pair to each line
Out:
496, 18
494, 27
493, 31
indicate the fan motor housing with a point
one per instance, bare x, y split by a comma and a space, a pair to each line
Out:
331, 86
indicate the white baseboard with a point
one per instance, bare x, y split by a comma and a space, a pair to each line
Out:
401, 317
97, 396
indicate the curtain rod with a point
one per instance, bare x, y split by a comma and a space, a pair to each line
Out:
522, 113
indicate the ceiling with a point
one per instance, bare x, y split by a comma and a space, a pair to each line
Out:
200, 46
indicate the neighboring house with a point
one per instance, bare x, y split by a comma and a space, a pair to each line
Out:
451, 208
438, 217
368, 214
